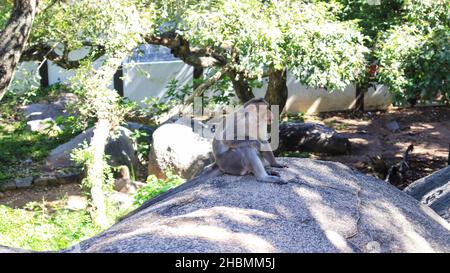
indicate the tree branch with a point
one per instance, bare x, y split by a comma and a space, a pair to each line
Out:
39, 52
208, 83
199, 57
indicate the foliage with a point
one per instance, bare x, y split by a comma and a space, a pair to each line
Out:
82, 156
5, 10
410, 44
415, 57
41, 229
17, 142
306, 37
296, 117
112, 24
297, 154
142, 138
156, 186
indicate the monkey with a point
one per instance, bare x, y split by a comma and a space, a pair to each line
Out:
247, 152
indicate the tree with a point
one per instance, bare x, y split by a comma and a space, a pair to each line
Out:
13, 38
414, 56
252, 39
111, 29
409, 46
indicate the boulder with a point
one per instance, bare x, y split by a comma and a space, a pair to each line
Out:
433, 191
23, 183
137, 126
312, 137
326, 208
179, 148
8, 185
120, 148
38, 114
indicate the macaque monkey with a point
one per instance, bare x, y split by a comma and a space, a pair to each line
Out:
240, 150
240, 147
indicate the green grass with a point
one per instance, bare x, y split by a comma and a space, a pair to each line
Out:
41, 230
156, 186
336, 125
17, 143
295, 154
35, 227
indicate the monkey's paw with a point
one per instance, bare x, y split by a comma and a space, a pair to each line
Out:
280, 166
270, 172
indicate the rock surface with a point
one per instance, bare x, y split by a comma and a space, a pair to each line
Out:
38, 114
120, 148
177, 147
434, 191
330, 208
23, 183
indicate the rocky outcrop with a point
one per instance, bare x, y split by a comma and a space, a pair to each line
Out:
433, 191
327, 208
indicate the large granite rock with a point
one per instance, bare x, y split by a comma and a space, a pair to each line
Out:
433, 191
177, 147
330, 208
120, 148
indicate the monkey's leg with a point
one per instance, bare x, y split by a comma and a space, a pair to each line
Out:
268, 155
270, 172
257, 167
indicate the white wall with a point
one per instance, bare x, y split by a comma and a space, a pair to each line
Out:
302, 98
146, 80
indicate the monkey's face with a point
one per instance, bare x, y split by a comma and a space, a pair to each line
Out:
259, 113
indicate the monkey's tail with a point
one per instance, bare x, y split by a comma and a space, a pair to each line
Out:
208, 172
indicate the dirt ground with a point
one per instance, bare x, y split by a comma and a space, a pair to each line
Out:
51, 196
375, 148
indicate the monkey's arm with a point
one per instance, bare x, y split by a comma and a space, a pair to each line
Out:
268, 155
242, 143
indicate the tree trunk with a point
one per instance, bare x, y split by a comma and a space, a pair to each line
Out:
277, 91
359, 103
13, 39
95, 170
241, 87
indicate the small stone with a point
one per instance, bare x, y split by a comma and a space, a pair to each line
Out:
23, 183
2, 195
373, 247
45, 181
75, 202
27, 162
68, 178
121, 200
393, 126
7, 186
